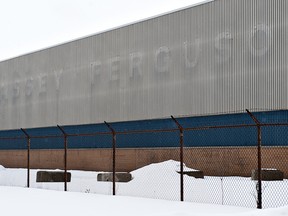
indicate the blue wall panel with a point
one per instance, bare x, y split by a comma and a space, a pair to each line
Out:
213, 137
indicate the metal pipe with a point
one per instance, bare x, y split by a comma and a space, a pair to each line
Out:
114, 156
65, 156
259, 160
28, 156
259, 203
181, 158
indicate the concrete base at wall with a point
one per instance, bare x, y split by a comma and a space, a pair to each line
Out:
216, 161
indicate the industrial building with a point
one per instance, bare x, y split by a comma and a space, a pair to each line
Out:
205, 64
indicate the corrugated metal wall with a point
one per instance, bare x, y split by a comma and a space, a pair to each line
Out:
222, 56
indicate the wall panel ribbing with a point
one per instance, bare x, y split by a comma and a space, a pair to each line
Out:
219, 57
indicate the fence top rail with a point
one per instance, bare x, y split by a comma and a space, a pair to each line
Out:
236, 126
202, 128
12, 138
150, 131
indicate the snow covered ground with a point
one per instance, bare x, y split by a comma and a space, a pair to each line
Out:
17, 201
157, 181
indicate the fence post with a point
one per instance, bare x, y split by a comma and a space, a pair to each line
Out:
259, 184
65, 156
181, 158
114, 155
28, 155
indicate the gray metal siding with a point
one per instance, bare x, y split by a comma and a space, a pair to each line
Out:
222, 56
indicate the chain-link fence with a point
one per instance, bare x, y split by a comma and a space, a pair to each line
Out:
243, 164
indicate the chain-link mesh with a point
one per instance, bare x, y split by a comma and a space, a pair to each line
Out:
47, 153
222, 172
220, 163
95, 154
13, 147
158, 166
274, 166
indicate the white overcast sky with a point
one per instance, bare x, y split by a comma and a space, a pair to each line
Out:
29, 25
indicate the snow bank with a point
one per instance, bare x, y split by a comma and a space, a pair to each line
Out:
161, 181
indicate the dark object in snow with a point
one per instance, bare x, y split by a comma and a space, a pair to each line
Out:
52, 176
268, 175
119, 177
195, 173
